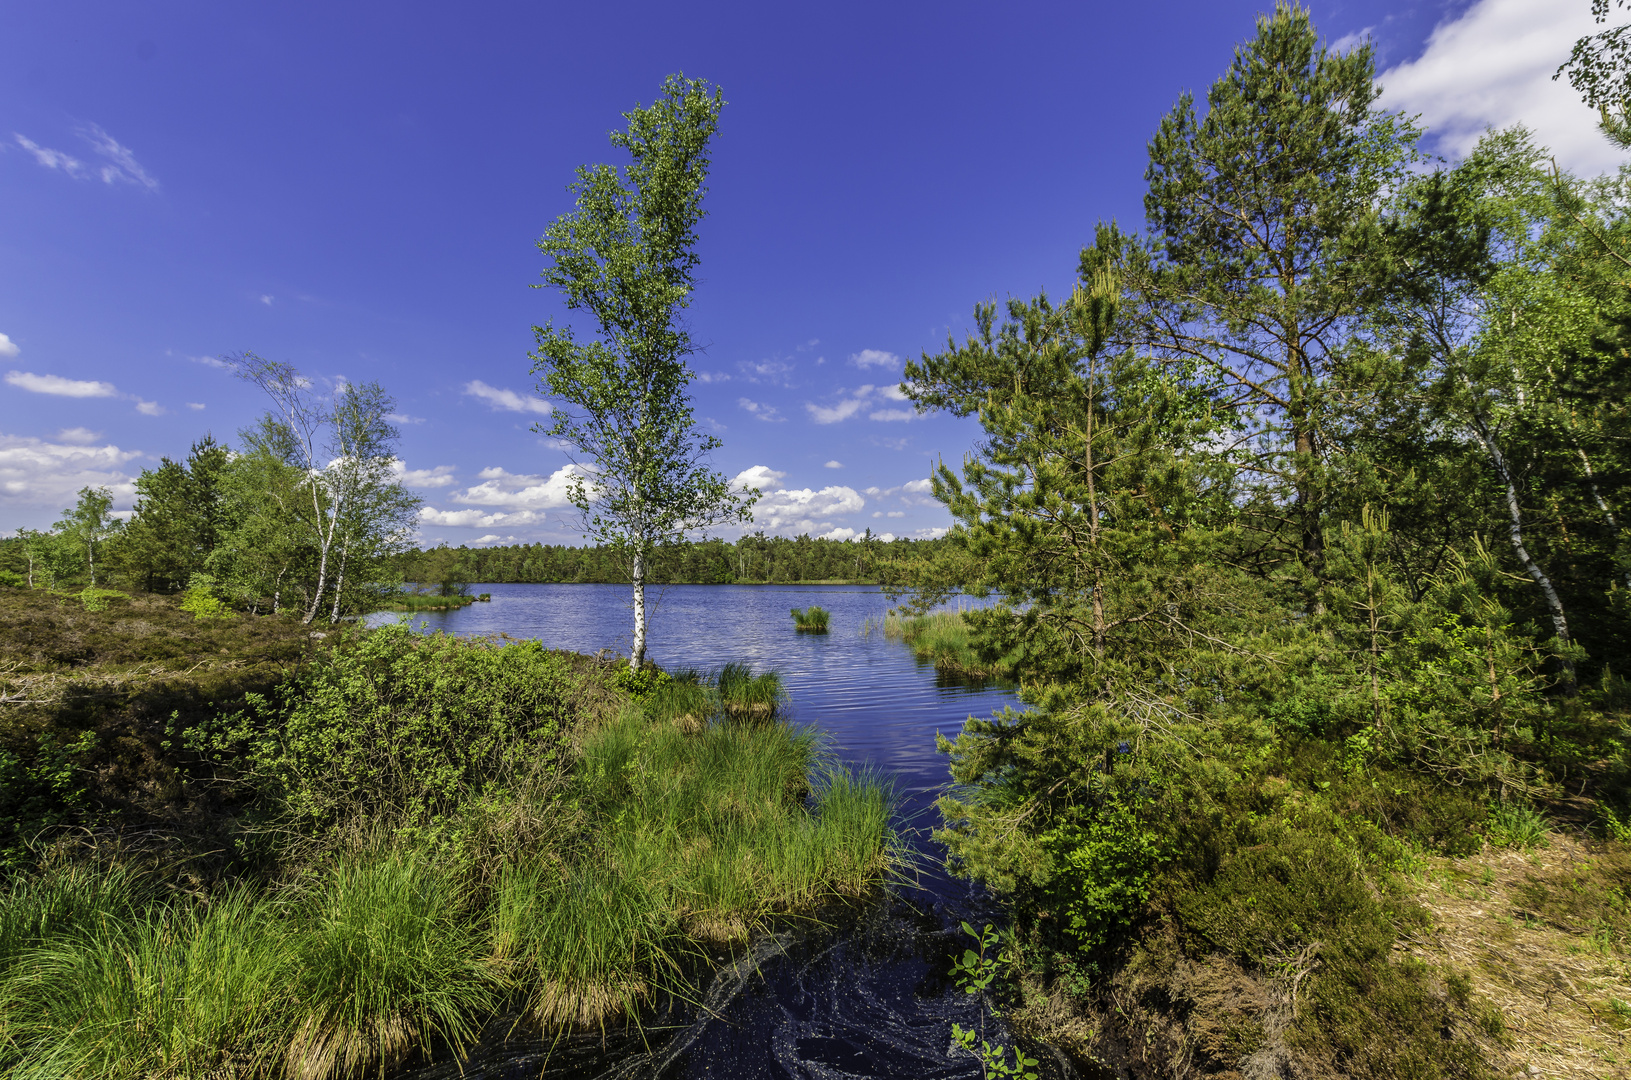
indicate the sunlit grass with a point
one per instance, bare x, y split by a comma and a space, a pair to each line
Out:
811, 620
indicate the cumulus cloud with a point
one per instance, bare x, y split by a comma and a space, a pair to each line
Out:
57, 385
712, 377
37, 473
833, 465
875, 358
8, 347
806, 508
759, 410
1492, 66
404, 418
195, 405
507, 400
494, 538
79, 436
521, 491
149, 408
762, 477
918, 487
440, 476
865, 398
477, 519
931, 534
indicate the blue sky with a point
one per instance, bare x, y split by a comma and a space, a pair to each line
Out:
356, 189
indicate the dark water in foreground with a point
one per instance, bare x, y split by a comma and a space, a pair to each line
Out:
865, 997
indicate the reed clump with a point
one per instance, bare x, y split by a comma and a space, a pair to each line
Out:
811, 620
942, 639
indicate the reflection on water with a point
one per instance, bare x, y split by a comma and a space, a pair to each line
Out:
865, 999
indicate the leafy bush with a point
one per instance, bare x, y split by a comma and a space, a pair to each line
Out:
1103, 861
408, 728
13, 579
99, 599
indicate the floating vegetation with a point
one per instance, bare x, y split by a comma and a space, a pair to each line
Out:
428, 602
743, 694
811, 620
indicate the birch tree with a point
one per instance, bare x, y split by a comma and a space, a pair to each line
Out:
626, 256
337, 453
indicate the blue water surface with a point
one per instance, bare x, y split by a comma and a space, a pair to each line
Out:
867, 995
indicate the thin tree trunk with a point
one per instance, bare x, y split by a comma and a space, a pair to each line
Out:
1602, 504
277, 590
1560, 622
637, 655
339, 585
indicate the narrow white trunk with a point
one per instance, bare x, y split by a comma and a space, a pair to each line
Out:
637, 655
339, 587
1602, 504
1560, 623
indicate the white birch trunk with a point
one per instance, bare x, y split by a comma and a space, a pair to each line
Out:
637, 654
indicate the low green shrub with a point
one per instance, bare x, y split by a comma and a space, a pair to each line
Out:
100, 599
406, 728
13, 580
1512, 825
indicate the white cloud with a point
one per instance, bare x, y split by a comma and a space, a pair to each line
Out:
839, 534
918, 487
774, 372
267, 298
211, 361
149, 408
1492, 67
875, 358
56, 384
804, 508
932, 534
521, 491
37, 473
51, 159
196, 406
122, 164
762, 477
712, 377
760, 411
891, 514
440, 476
404, 418
476, 519
494, 538
78, 435
833, 465
8, 347
852, 402
507, 400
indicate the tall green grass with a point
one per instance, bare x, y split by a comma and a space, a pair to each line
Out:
812, 620
585, 899
941, 638
744, 694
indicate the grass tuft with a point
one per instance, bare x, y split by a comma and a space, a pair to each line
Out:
811, 620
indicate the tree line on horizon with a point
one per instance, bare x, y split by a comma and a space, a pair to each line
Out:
756, 558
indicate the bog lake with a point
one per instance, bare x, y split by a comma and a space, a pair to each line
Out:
864, 993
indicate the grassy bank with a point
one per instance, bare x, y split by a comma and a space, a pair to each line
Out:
428, 832
942, 639
428, 602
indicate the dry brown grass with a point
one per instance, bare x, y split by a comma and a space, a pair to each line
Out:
1540, 935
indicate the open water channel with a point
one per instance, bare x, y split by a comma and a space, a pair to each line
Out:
866, 996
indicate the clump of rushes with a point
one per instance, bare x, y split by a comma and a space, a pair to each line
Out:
745, 695
184, 989
941, 638
389, 959
412, 602
686, 699
811, 620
